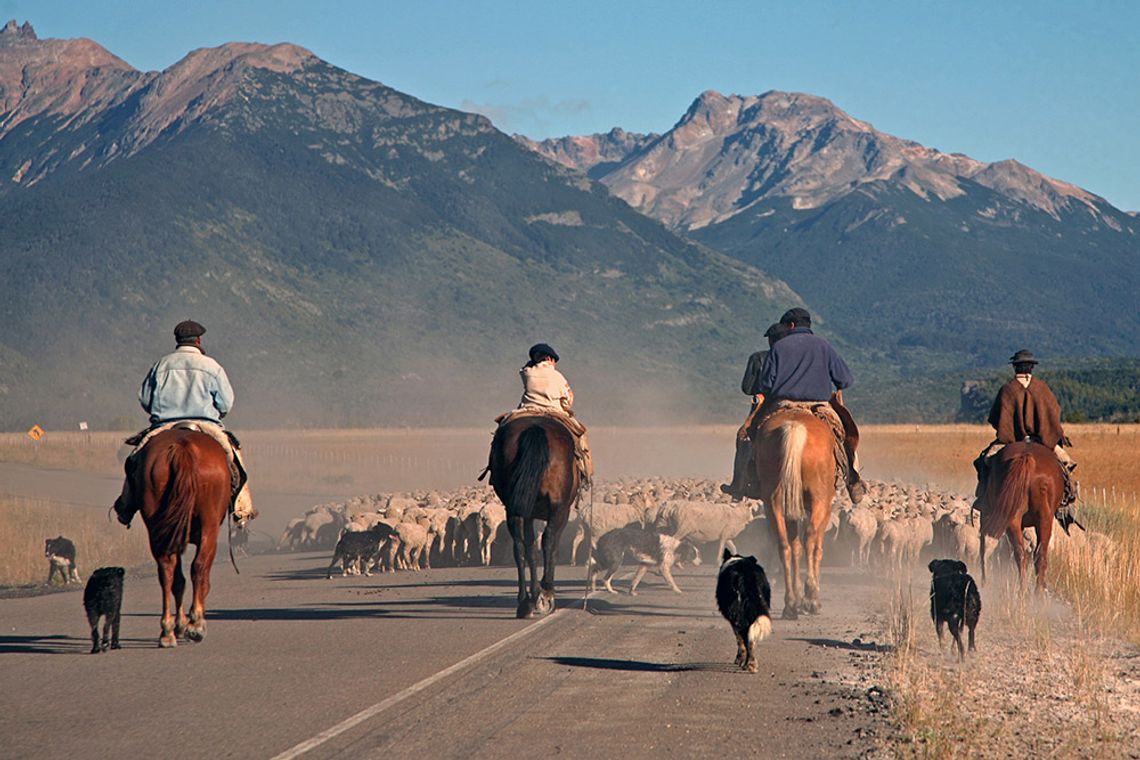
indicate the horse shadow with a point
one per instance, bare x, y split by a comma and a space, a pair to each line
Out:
603, 606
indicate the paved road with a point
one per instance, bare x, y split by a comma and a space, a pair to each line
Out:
290, 655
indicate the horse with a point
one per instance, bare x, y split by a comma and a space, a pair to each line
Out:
534, 474
184, 480
794, 456
1024, 489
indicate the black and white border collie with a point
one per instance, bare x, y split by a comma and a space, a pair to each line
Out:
651, 550
743, 597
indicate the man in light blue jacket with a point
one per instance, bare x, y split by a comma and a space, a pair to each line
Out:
186, 386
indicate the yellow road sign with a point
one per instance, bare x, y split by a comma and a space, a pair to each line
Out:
36, 433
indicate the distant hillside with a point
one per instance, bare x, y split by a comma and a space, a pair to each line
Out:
932, 262
358, 256
1099, 390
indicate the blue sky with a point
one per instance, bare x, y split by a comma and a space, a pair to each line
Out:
1055, 85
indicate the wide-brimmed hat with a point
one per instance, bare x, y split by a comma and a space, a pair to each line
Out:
540, 351
187, 331
1023, 357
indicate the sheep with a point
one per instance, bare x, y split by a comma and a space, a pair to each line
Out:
491, 516
701, 522
601, 518
292, 535
413, 543
862, 526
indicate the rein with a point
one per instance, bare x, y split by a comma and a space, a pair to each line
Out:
589, 553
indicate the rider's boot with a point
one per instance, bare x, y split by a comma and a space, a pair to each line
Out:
738, 488
856, 487
242, 502
124, 505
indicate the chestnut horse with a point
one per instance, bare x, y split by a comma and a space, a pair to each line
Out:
795, 466
534, 474
184, 481
1024, 489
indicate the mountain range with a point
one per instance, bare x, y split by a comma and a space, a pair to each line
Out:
358, 256
923, 257
362, 257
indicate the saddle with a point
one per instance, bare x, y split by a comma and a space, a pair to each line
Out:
824, 411
238, 475
567, 419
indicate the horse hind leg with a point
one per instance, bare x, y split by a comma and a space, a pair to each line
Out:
178, 588
1020, 555
166, 567
200, 574
525, 605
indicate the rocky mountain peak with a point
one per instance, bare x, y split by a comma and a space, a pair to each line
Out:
12, 34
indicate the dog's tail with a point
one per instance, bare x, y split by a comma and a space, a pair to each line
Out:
789, 492
759, 630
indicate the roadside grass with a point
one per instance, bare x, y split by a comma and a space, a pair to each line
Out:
1040, 684
26, 523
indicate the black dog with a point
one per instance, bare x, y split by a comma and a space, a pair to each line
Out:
103, 596
743, 597
60, 552
954, 601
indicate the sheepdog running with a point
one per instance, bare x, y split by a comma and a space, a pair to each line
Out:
954, 601
60, 553
103, 597
358, 551
651, 550
744, 598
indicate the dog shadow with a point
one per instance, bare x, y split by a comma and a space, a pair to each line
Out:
851, 646
59, 644
639, 666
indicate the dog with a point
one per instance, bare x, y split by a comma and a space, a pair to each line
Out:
652, 551
359, 550
103, 596
60, 552
744, 597
954, 601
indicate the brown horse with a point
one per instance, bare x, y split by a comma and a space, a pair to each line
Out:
184, 485
534, 474
1024, 489
795, 465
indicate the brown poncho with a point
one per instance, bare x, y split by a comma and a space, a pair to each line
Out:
1032, 412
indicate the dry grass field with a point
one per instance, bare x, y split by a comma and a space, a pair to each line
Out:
25, 523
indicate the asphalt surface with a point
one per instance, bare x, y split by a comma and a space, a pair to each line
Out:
289, 656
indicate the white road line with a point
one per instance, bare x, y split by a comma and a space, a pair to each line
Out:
383, 705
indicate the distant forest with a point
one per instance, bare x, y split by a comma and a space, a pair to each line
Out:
1091, 390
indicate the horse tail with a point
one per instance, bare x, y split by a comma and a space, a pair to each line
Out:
526, 475
1012, 498
171, 533
790, 489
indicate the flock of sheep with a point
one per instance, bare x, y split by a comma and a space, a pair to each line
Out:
892, 526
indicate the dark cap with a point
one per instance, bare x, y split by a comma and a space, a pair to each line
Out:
540, 351
186, 332
775, 332
797, 315
1023, 357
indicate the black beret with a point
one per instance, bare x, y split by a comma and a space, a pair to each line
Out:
776, 331
188, 330
1023, 357
797, 315
539, 351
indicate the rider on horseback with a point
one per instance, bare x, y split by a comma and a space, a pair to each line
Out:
1026, 410
545, 391
742, 483
187, 386
802, 367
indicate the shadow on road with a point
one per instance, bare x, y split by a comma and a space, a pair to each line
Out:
60, 644
602, 663
854, 646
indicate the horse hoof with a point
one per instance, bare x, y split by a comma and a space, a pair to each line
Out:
168, 642
524, 611
544, 605
195, 634
813, 607
752, 666
790, 613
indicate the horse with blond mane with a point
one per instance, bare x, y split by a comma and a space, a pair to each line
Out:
795, 466
183, 484
1023, 490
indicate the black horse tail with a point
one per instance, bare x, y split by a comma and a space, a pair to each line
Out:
529, 468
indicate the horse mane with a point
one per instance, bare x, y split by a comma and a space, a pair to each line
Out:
529, 469
1012, 498
170, 532
789, 490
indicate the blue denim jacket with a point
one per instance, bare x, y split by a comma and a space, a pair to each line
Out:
186, 383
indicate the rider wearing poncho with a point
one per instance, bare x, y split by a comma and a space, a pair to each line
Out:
1026, 410
186, 386
804, 369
